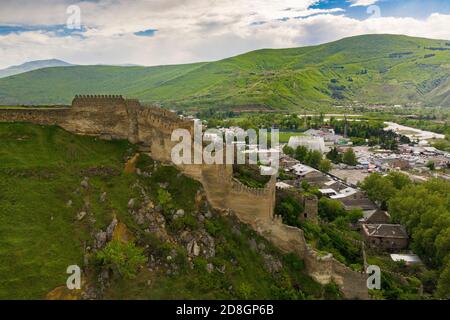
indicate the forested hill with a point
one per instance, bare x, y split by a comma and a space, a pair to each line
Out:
372, 69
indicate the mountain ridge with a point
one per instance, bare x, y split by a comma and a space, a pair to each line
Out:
31, 66
368, 69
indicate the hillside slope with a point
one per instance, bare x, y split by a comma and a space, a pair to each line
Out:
49, 177
32, 65
373, 69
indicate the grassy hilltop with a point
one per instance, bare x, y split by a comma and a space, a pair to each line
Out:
373, 69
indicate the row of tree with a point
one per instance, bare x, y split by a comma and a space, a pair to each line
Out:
315, 159
311, 158
371, 131
425, 211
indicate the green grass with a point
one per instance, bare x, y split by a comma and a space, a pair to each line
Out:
40, 170
367, 69
250, 175
285, 136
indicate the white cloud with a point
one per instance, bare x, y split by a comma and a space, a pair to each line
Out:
189, 30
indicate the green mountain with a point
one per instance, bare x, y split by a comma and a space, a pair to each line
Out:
372, 69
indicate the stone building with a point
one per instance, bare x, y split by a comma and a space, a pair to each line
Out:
389, 237
357, 200
311, 209
376, 216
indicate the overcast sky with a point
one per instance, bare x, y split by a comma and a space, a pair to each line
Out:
153, 32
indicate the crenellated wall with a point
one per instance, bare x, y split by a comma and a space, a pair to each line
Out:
114, 117
226, 193
322, 268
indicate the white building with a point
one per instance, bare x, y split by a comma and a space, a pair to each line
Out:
301, 170
408, 259
312, 143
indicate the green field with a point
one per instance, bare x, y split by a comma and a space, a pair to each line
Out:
285, 136
373, 69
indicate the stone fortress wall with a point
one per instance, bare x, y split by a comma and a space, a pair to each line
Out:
113, 117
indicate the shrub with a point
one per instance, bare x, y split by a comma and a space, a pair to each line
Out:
290, 209
165, 199
331, 292
187, 221
245, 291
122, 258
144, 162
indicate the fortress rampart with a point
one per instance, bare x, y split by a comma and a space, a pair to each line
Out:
114, 117
35, 115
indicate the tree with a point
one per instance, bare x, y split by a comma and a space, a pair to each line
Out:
122, 258
373, 141
305, 185
334, 156
431, 165
423, 209
358, 141
313, 159
379, 189
349, 158
301, 153
325, 165
288, 150
354, 215
330, 209
443, 288
399, 180
290, 209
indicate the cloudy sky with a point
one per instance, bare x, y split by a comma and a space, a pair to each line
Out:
153, 32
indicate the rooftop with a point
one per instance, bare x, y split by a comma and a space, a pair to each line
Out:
347, 192
407, 258
369, 213
301, 169
385, 230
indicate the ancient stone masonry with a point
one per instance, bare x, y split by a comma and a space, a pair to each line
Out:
34, 115
322, 268
114, 117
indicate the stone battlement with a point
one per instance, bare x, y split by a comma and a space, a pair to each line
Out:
104, 100
240, 187
98, 96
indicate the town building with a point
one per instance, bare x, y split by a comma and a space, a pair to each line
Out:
311, 143
389, 237
329, 136
376, 216
408, 259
